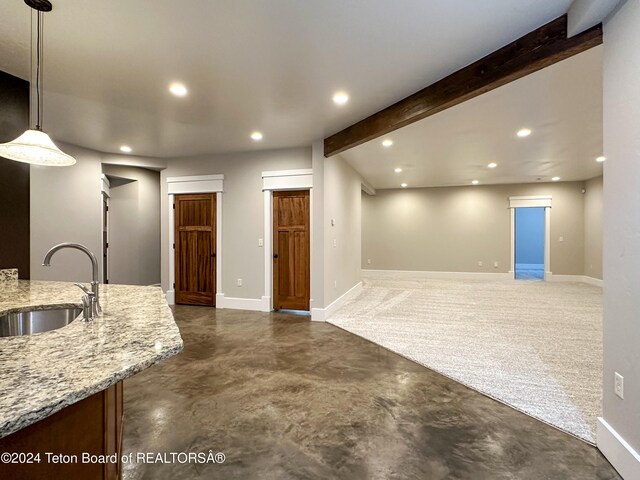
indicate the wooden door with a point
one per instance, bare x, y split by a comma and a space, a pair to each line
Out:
195, 249
291, 255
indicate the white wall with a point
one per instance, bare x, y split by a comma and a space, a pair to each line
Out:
451, 229
66, 206
317, 231
243, 212
134, 226
343, 240
622, 228
593, 203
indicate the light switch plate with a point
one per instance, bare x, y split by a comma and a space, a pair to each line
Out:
260, 242
618, 384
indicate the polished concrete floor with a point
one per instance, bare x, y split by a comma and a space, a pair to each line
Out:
283, 397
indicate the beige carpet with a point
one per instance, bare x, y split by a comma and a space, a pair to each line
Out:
536, 346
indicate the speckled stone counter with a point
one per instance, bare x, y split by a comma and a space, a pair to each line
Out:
43, 373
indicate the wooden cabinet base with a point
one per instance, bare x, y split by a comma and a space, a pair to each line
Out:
73, 443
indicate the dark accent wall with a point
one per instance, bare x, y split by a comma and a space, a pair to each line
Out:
14, 177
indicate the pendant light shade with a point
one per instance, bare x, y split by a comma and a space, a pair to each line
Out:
34, 146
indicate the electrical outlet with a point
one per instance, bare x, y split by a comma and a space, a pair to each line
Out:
480, 263
495, 264
335, 243
239, 282
368, 261
260, 242
618, 384
561, 239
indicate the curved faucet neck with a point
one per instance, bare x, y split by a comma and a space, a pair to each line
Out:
77, 246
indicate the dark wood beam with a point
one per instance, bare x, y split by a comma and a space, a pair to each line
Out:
539, 49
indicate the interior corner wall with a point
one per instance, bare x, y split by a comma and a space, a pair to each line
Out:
66, 206
593, 203
14, 177
242, 211
317, 232
343, 239
622, 223
134, 226
451, 229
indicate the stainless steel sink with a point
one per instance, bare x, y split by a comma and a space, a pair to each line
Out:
36, 321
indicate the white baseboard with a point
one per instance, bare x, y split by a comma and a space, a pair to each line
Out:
171, 297
219, 300
255, 304
266, 304
550, 277
322, 314
442, 275
592, 281
564, 278
576, 278
619, 453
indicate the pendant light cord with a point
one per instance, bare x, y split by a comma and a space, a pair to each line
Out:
38, 59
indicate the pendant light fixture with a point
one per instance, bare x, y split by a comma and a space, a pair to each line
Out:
34, 146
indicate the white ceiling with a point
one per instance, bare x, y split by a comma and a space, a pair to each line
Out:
249, 64
561, 104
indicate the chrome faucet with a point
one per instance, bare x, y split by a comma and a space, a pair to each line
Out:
94, 268
89, 304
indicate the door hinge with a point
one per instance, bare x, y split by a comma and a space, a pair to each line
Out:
106, 209
174, 286
174, 246
106, 245
174, 206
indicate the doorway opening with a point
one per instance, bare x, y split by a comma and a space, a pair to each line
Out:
105, 239
291, 250
529, 243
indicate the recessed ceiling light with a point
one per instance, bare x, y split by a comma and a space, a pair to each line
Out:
555, 179
340, 98
397, 170
404, 185
178, 89
257, 136
387, 143
601, 159
475, 182
525, 132
125, 149
492, 165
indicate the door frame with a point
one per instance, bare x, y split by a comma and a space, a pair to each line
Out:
105, 196
532, 201
186, 185
283, 180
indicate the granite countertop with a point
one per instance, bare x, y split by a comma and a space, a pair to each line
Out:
43, 373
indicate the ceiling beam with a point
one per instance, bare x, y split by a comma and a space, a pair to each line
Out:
545, 46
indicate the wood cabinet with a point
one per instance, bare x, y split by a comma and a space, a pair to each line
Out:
66, 440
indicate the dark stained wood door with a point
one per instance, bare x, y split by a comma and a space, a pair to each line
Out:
291, 256
195, 249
